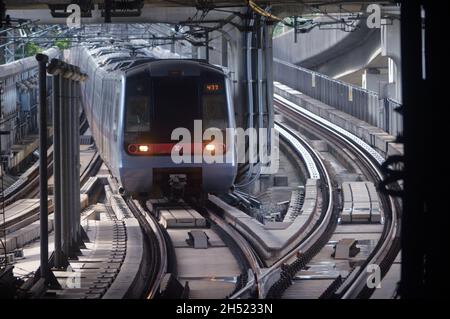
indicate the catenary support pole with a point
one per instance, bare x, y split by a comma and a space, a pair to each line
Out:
43, 179
64, 168
207, 46
76, 96
57, 169
70, 166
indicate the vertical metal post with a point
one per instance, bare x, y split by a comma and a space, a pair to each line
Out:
64, 168
258, 55
295, 28
2, 171
413, 248
108, 7
43, 179
224, 51
268, 54
69, 159
207, 46
249, 58
74, 191
77, 159
57, 168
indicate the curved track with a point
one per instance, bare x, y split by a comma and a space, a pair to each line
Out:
369, 162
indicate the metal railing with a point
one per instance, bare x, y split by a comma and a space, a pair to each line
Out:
358, 102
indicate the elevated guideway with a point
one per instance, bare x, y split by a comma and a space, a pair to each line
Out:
347, 48
329, 51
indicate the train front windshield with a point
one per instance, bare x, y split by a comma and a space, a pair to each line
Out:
158, 105
175, 104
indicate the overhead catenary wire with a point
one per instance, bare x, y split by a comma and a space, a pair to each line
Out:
262, 12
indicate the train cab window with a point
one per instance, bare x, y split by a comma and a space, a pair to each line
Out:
175, 104
138, 114
215, 111
137, 105
214, 104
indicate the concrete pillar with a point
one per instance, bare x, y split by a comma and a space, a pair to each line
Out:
194, 52
374, 80
390, 47
201, 52
236, 58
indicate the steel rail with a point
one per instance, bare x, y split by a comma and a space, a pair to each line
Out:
249, 253
27, 184
318, 232
372, 160
158, 245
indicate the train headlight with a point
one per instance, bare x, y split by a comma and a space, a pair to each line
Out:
143, 148
132, 148
138, 148
210, 147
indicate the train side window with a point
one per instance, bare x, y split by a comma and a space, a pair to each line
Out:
116, 105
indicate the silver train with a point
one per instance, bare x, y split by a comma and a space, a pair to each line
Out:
133, 101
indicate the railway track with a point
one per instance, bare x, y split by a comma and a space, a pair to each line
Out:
27, 185
24, 191
317, 236
277, 277
369, 161
29, 188
165, 252
387, 248
158, 246
305, 238
254, 284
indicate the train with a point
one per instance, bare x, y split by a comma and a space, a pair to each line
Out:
133, 100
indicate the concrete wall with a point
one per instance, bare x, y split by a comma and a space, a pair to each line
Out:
332, 52
308, 44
